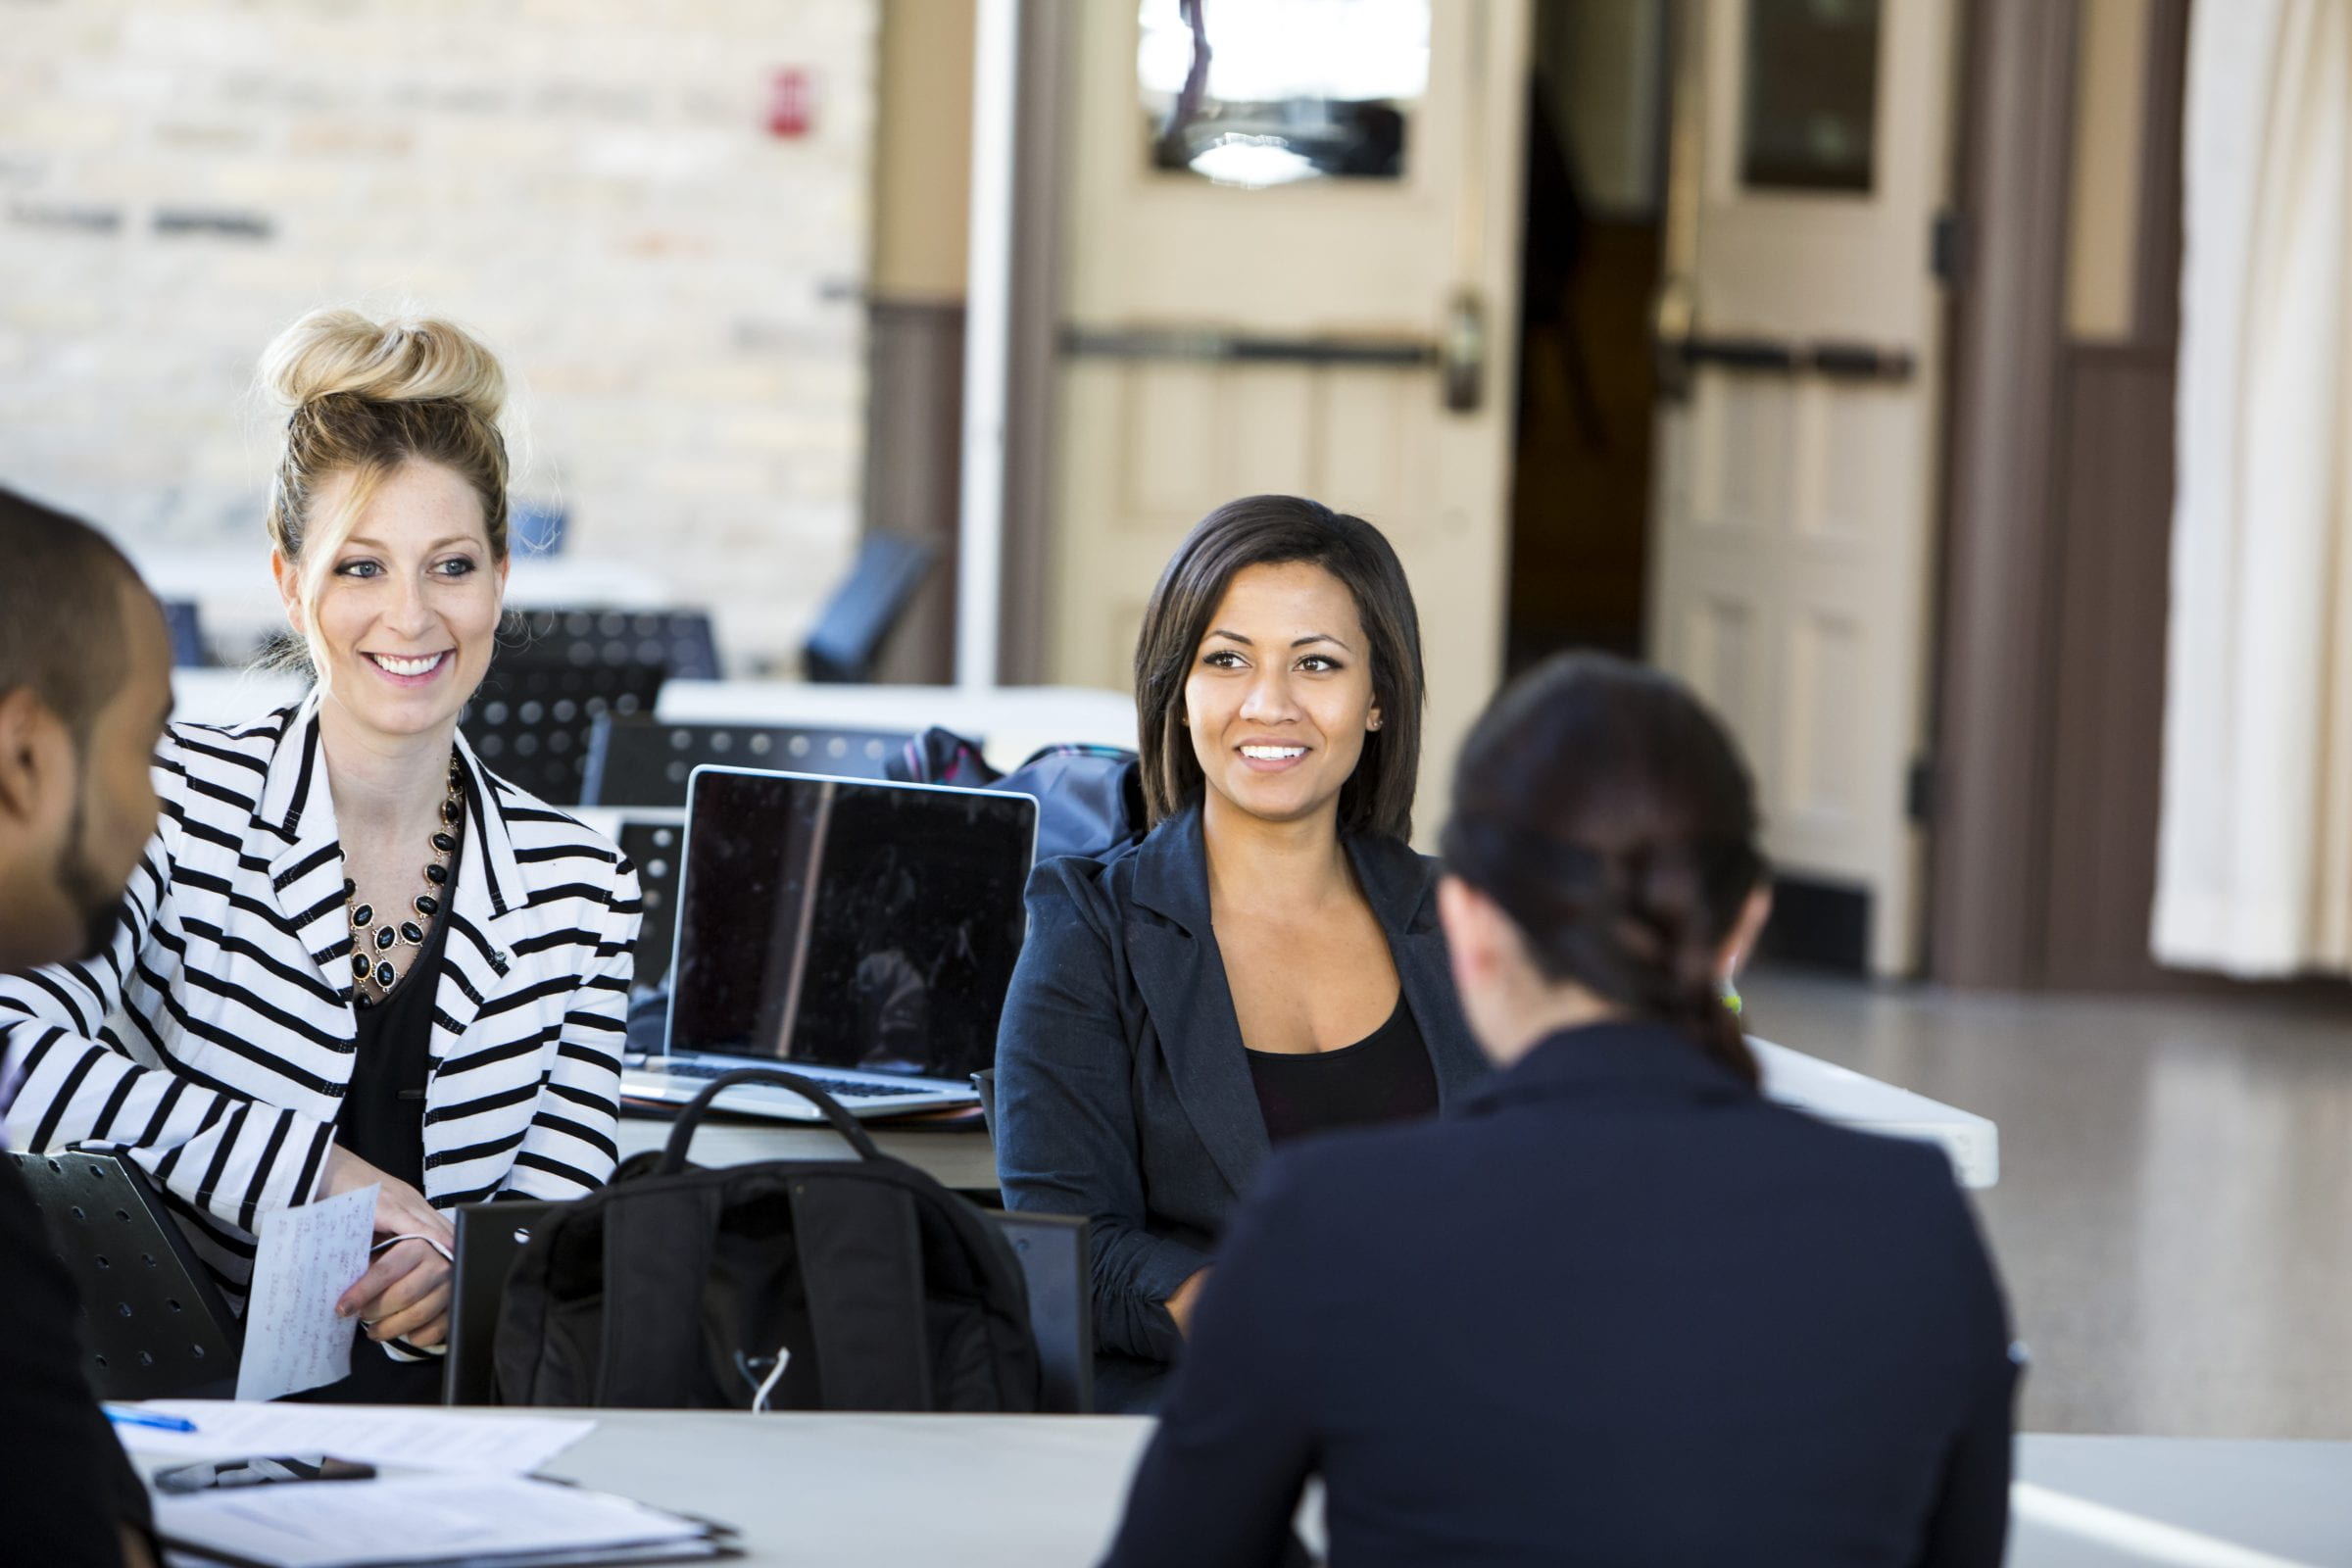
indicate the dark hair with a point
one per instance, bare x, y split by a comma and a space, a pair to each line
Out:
61, 611
1272, 531
1605, 811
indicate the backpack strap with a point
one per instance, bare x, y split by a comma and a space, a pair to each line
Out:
658, 1244
681, 1132
862, 1263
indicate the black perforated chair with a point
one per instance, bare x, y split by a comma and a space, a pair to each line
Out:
531, 721
857, 620
680, 641
638, 761
153, 1323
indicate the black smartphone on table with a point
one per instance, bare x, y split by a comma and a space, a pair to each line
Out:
210, 1474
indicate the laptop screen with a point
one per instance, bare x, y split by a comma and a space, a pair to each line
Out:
843, 923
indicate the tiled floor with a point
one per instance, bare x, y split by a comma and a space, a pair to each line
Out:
2173, 1220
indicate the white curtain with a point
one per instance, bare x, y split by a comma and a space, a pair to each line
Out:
2254, 865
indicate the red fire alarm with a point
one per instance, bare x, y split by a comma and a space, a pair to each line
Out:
791, 103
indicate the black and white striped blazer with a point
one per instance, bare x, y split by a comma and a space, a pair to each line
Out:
214, 1040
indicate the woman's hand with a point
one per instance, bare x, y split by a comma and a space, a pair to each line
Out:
1180, 1305
402, 1296
400, 1210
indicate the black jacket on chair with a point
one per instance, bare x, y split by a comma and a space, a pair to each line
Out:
1123, 1090
1619, 1308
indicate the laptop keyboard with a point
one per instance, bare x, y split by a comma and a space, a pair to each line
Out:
839, 1088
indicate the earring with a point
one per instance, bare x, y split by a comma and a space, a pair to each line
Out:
1375, 724
1731, 996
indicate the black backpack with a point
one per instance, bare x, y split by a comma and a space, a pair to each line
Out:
675, 1287
1090, 798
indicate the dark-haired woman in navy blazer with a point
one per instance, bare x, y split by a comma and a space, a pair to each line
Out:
1267, 961
1620, 1309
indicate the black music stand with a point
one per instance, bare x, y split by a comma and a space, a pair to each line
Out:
641, 760
154, 1323
531, 719
653, 846
680, 641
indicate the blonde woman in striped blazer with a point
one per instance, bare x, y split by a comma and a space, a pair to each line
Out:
352, 954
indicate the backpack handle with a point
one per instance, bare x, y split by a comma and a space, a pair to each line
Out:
681, 1134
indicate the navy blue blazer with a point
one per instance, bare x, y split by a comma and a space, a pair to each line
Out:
1123, 1092
1619, 1309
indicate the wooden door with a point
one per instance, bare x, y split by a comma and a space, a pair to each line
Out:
1221, 340
1799, 328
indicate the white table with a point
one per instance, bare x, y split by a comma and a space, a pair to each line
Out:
965, 1161
1843, 1096
1009, 721
1037, 1491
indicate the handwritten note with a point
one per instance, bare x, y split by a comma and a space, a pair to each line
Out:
309, 1256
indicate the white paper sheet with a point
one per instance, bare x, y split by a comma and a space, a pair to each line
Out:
422, 1437
318, 1524
310, 1255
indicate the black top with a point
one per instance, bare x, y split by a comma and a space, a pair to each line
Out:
382, 1121
1614, 1306
1386, 1076
65, 1484
1123, 1086
382, 1115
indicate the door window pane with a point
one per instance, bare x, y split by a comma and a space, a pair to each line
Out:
1810, 118
1267, 92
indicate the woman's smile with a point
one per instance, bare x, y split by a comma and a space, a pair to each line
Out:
418, 670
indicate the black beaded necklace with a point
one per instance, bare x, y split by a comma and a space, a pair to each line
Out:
371, 944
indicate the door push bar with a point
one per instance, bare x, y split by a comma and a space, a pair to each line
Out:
1844, 362
1227, 348
1460, 356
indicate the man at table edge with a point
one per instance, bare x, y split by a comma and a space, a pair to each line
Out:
84, 691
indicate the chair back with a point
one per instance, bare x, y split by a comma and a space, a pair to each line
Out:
154, 1324
850, 631
636, 760
653, 846
186, 627
1052, 1254
489, 1238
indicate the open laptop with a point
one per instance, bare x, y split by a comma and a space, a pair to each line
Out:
855, 932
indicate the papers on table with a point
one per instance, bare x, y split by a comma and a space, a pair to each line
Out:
308, 1256
424, 1438
504, 1520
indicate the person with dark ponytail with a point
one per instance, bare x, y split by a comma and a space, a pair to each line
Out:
1621, 1307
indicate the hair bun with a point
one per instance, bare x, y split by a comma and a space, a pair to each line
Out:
407, 358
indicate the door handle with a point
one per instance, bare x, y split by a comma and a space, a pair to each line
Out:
1215, 345
1834, 358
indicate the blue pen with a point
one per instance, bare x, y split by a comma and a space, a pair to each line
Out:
148, 1418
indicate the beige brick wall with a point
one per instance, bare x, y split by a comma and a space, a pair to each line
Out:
588, 182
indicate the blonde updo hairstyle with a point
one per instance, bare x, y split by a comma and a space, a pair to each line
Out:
367, 396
